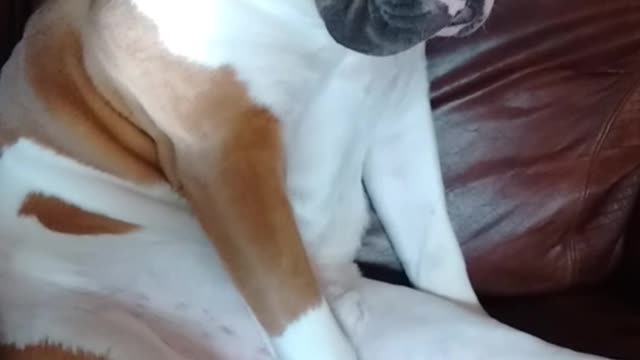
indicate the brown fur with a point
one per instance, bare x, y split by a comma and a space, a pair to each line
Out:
58, 216
44, 352
87, 127
243, 206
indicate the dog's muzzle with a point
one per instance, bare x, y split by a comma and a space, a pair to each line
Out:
387, 27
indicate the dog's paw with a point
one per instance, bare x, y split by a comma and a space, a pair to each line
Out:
351, 312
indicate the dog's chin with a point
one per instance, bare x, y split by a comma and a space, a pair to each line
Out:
468, 28
458, 30
374, 30
380, 44
388, 27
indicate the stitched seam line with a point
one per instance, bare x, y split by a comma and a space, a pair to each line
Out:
634, 89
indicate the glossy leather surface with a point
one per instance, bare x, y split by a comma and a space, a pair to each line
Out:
539, 129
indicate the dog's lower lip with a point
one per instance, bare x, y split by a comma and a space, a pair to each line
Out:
466, 30
465, 16
410, 19
400, 12
402, 21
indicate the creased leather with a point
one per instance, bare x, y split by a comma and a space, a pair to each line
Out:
538, 120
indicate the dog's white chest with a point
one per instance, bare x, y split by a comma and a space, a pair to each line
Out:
167, 269
155, 293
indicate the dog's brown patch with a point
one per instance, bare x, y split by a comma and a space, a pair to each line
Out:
80, 122
44, 352
58, 216
242, 204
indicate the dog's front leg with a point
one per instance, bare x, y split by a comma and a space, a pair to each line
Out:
403, 178
235, 186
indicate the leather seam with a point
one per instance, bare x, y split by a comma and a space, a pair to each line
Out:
632, 92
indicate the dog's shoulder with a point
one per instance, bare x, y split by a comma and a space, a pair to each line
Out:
48, 97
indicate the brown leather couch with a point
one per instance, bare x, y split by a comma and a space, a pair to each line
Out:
538, 116
539, 126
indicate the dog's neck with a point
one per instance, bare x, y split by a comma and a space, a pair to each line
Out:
206, 31
193, 11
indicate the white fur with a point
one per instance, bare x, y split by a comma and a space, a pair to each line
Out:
314, 336
156, 293
404, 180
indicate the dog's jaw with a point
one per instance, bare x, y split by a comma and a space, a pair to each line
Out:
381, 27
467, 29
388, 27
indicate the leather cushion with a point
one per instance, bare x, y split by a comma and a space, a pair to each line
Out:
538, 118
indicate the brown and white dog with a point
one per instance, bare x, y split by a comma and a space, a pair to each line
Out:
135, 134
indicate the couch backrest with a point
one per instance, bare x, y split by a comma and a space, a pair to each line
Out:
13, 15
539, 129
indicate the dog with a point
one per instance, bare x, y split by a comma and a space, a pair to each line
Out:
146, 142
